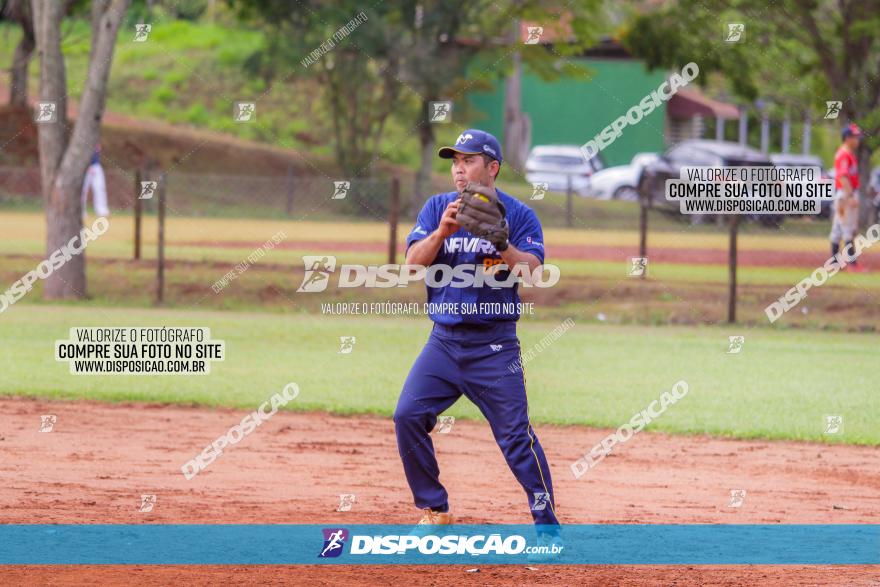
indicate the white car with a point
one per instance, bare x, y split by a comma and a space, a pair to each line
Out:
555, 164
619, 182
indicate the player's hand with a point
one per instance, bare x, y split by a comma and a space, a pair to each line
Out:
448, 224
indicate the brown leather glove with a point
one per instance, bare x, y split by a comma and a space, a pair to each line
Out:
482, 214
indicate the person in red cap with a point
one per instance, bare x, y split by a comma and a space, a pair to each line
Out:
846, 184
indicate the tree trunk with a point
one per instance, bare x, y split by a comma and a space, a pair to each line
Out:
18, 86
19, 11
428, 142
514, 126
63, 164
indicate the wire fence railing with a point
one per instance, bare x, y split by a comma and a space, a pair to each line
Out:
296, 197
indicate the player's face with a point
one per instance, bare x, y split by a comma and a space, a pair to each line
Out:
852, 142
467, 168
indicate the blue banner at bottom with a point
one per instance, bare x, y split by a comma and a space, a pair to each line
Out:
282, 544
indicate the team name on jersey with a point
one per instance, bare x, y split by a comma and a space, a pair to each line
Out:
468, 244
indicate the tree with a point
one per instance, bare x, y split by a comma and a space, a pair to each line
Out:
444, 43
356, 70
796, 53
406, 55
63, 160
19, 11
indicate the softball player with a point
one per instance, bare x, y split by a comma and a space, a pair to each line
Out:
472, 354
846, 199
97, 183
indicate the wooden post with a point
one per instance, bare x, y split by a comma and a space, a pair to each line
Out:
137, 214
568, 201
743, 126
393, 215
731, 269
289, 207
643, 232
160, 256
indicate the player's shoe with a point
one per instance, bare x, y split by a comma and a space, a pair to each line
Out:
432, 518
551, 547
855, 268
429, 520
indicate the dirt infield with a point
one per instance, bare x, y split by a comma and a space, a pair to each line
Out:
684, 256
99, 459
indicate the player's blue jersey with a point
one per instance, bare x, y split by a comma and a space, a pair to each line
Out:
465, 248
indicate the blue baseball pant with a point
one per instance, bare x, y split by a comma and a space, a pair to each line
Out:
467, 359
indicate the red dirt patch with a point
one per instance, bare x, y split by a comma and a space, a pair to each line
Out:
97, 461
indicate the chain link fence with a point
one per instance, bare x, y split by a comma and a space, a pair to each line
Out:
296, 197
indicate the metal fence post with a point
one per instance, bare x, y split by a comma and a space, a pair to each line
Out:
137, 214
568, 201
643, 232
393, 215
160, 256
289, 207
731, 269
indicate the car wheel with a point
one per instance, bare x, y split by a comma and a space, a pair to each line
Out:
626, 193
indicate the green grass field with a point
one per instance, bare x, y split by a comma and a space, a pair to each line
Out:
201, 250
780, 387
598, 374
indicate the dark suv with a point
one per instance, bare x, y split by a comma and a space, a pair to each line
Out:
699, 153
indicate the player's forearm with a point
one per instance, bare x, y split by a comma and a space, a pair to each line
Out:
846, 186
512, 256
425, 251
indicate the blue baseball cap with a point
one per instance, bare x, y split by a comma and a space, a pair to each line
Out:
471, 142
